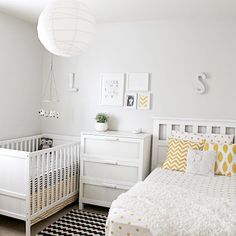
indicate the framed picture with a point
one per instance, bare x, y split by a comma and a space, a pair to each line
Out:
144, 101
137, 82
112, 89
131, 100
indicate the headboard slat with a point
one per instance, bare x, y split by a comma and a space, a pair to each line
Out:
162, 128
222, 130
209, 129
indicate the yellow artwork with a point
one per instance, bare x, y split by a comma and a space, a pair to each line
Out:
144, 101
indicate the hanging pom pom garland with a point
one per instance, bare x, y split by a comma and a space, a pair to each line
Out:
49, 114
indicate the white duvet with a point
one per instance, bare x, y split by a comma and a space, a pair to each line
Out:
168, 210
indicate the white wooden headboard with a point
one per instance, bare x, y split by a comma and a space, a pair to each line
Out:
162, 128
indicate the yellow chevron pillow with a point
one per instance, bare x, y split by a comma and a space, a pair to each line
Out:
226, 158
177, 153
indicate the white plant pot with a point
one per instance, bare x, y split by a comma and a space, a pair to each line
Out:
101, 127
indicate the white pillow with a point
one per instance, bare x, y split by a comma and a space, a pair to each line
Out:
201, 162
197, 137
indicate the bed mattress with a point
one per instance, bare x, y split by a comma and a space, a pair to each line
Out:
217, 186
123, 222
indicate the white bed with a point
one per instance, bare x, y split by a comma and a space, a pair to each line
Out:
214, 196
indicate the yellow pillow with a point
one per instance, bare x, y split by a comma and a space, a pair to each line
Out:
177, 153
226, 158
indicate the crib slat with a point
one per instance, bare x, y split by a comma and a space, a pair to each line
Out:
48, 172
77, 166
33, 145
64, 174
68, 170
38, 178
37, 143
60, 174
56, 197
52, 179
75, 170
25, 145
33, 184
71, 169
43, 182
30, 145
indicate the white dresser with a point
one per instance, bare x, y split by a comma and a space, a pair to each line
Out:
111, 162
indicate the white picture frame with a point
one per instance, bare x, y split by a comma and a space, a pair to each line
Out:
144, 101
112, 89
131, 100
137, 82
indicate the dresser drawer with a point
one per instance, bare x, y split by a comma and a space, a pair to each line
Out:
110, 170
111, 148
102, 195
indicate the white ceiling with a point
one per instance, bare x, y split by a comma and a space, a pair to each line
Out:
130, 10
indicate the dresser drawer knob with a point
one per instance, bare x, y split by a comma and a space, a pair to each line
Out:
109, 186
110, 162
112, 139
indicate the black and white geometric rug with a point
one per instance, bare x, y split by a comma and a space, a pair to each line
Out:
79, 223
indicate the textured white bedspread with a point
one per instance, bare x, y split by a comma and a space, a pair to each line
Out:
216, 186
175, 203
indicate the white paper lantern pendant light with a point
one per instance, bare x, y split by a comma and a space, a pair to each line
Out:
66, 27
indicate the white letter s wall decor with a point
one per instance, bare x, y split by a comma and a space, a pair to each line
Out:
201, 87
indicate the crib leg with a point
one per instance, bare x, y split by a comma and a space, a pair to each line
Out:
27, 228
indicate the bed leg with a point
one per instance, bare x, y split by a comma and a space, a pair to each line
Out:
27, 228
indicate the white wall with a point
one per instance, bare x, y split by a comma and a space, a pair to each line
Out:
172, 51
20, 78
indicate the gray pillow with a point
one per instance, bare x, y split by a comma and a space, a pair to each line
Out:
201, 162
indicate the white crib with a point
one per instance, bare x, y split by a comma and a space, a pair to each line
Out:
35, 184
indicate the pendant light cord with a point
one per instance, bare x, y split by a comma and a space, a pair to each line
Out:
51, 82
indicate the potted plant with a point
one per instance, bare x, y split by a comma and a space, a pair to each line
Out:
101, 122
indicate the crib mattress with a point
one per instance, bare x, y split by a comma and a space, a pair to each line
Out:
122, 222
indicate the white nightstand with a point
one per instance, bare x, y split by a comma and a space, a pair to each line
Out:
111, 163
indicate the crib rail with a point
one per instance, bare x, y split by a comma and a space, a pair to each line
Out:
54, 176
26, 144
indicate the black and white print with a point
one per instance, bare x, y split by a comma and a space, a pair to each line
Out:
131, 100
